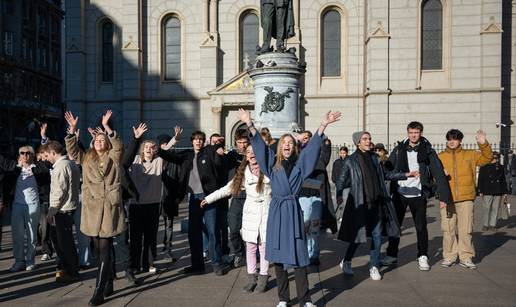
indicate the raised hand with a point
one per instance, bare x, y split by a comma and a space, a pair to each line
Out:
72, 121
43, 131
106, 117
92, 132
331, 117
99, 130
481, 137
105, 122
138, 132
178, 132
245, 117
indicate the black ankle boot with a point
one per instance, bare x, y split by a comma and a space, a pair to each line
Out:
104, 273
97, 298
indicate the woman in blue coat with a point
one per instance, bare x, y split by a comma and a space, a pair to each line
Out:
286, 238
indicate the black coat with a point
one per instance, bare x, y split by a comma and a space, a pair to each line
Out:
335, 172
431, 172
491, 180
129, 189
353, 226
208, 165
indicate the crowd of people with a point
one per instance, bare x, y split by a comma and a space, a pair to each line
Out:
274, 196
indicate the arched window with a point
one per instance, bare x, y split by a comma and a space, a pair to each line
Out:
171, 48
248, 40
431, 34
331, 44
107, 51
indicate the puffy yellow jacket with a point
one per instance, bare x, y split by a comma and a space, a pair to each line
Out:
461, 167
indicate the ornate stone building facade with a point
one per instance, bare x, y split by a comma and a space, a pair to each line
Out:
382, 63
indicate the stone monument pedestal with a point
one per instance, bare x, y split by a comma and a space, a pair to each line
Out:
276, 77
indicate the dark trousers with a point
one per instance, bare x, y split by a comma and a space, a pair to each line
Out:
143, 224
222, 225
235, 225
301, 277
168, 233
196, 214
417, 206
65, 248
44, 231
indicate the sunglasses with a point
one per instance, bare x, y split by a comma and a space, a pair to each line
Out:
24, 152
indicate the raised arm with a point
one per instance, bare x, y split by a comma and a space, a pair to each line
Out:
71, 139
310, 155
132, 149
486, 152
178, 132
223, 192
43, 133
264, 156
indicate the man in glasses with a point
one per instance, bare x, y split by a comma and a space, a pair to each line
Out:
22, 182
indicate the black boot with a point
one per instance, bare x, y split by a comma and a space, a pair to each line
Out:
251, 283
129, 275
102, 278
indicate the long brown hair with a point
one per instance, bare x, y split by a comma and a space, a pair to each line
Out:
91, 154
279, 151
238, 180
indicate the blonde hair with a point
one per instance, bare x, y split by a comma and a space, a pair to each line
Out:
142, 148
27, 148
279, 151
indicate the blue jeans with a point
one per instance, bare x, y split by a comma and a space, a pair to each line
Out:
312, 211
376, 243
196, 214
83, 241
24, 222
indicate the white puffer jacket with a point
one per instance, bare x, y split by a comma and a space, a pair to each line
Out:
256, 206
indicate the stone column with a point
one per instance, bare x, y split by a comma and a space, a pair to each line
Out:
276, 83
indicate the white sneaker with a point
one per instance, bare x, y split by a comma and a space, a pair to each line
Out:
345, 266
468, 264
309, 304
423, 263
282, 304
46, 257
375, 274
388, 260
153, 269
447, 263
30, 267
